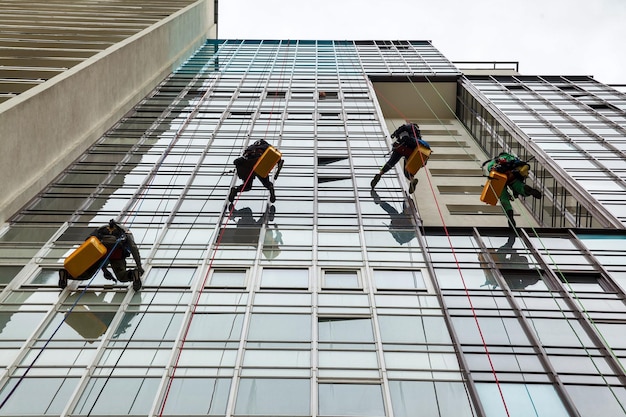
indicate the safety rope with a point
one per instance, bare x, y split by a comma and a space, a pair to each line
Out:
210, 265
105, 260
47, 342
201, 210
563, 278
167, 269
457, 263
378, 93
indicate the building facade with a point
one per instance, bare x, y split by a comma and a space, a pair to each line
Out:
336, 300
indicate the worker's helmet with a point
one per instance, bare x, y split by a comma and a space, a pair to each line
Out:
416, 129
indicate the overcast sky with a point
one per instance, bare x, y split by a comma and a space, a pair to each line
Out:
546, 37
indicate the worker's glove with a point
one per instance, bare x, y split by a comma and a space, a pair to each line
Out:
140, 269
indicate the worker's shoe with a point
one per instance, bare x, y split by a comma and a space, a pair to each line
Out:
62, 278
532, 191
233, 193
375, 180
272, 195
413, 185
136, 279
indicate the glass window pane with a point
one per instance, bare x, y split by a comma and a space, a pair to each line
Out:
280, 328
285, 278
169, 277
52, 396
597, 401
345, 330
131, 396
438, 399
18, 326
391, 280
277, 358
351, 400
197, 396
341, 279
538, 400
413, 329
275, 397
228, 278
215, 327
347, 359
149, 326
495, 330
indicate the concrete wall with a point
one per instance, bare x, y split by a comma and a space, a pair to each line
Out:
46, 128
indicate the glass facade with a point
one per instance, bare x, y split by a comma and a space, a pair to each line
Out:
573, 127
320, 304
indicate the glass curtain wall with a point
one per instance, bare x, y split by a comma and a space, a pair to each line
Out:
578, 123
332, 301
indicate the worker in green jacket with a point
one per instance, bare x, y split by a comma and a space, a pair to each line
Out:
516, 171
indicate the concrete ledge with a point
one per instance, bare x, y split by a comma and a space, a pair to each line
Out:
45, 129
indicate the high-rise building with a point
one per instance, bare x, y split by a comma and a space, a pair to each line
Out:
335, 300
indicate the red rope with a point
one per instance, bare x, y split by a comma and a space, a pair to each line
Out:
216, 248
458, 265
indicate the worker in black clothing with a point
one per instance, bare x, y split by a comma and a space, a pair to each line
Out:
120, 244
407, 136
244, 166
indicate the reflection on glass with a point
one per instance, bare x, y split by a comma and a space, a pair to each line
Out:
148, 326
271, 242
401, 224
87, 323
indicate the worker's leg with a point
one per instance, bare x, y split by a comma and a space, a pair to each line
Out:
268, 184
411, 178
522, 189
505, 200
119, 269
395, 157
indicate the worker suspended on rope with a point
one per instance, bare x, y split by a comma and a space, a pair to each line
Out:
516, 171
246, 163
408, 137
117, 243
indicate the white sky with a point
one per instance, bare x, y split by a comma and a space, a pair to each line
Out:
546, 37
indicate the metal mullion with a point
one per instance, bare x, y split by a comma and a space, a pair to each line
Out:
253, 272
202, 270
88, 374
561, 177
526, 326
593, 260
580, 315
468, 381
